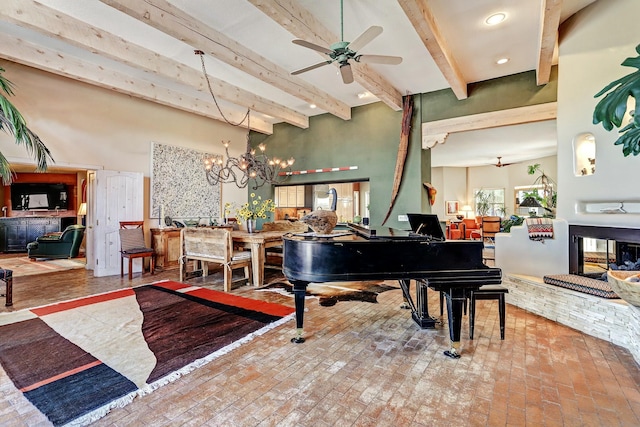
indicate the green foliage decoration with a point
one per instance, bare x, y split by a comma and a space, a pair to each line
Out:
611, 109
12, 122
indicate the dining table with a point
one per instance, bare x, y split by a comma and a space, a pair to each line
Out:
257, 242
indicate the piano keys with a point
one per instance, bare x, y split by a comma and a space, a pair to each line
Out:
453, 267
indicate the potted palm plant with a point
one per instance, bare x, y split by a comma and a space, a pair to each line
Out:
484, 200
12, 122
549, 195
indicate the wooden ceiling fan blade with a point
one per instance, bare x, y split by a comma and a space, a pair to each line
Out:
379, 59
312, 46
310, 67
364, 38
347, 74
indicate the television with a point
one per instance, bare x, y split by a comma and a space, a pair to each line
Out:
39, 196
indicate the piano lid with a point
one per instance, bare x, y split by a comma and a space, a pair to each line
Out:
375, 232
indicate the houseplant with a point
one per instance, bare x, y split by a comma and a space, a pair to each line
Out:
483, 202
611, 109
12, 122
549, 195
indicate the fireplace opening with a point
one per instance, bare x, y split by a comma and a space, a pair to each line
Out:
594, 250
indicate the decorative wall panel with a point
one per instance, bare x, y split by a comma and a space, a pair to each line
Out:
179, 186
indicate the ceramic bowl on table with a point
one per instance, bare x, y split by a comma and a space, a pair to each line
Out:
626, 284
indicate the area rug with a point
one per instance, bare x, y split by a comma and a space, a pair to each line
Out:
23, 266
330, 294
77, 360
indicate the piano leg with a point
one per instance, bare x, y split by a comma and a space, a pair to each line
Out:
455, 301
299, 293
420, 310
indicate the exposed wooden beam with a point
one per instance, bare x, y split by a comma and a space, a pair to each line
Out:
56, 24
549, 23
421, 17
437, 131
303, 25
167, 18
22, 52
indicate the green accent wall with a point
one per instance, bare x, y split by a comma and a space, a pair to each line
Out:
517, 90
369, 141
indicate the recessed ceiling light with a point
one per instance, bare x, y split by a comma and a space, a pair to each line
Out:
312, 105
496, 18
502, 61
363, 95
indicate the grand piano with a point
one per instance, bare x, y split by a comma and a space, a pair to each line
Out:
454, 267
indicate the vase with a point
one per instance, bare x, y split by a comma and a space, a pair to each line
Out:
251, 225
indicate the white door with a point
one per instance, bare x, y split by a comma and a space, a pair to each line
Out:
88, 220
117, 196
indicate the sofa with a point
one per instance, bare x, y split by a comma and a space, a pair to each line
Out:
58, 245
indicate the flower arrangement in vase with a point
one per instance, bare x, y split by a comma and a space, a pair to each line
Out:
249, 212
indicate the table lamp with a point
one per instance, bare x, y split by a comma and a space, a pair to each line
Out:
466, 209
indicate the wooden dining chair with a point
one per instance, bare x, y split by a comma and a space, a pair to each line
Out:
132, 246
213, 245
275, 252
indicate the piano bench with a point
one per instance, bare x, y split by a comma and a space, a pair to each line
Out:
487, 292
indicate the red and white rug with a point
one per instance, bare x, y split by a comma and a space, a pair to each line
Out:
77, 360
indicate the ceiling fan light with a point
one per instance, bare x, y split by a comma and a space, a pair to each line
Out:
495, 19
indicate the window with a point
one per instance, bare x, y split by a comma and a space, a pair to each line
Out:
535, 191
489, 201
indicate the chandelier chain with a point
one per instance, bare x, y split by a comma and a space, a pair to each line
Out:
215, 101
248, 166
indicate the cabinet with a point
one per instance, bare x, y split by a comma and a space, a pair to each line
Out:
290, 196
166, 245
15, 233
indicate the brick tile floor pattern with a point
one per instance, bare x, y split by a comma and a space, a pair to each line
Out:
368, 364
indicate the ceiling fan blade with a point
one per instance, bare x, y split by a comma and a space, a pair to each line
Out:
364, 38
312, 46
347, 74
379, 59
310, 67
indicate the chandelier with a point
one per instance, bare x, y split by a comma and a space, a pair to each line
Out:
250, 165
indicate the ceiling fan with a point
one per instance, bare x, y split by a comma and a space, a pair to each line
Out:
500, 164
342, 52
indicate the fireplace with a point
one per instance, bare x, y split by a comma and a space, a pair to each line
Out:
593, 248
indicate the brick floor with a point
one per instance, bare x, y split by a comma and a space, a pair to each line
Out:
368, 364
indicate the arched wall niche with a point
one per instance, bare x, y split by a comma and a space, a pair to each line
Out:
584, 154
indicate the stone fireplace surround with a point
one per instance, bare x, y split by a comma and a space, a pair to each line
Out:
609, 319
613, 320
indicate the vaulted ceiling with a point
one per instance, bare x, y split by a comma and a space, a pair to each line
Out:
145, 48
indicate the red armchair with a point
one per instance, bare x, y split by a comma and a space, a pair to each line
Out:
455, 231
471, 228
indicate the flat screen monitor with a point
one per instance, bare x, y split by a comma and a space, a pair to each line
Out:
426, 225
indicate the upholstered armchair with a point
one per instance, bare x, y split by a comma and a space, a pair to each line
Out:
58, 245
471, 228
455, 231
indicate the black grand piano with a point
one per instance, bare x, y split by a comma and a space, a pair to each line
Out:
381, 253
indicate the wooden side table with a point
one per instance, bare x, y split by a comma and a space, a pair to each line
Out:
166, 244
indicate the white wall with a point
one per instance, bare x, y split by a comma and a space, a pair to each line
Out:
508, 177
451, 184
593, 43
86, 127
